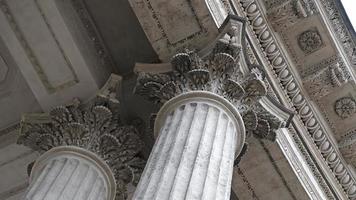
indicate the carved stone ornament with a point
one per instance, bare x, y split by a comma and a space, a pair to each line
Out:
281, 67
337, 75
310, 41
94, 126
345, 107
285, 13
219, 72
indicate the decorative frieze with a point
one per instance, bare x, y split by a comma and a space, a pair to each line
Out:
340, 29
291, 87
283, 14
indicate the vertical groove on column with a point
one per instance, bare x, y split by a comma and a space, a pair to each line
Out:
73, 185
156, 169
193, 156
189, 154
159, 144
175, 157
87, 185
231, 164
97, 188
202, 160
101, 195
49, 179
66, 179
211, 179
62, 179
65, 162
80, 182
223, 186
67, 185
173, 160
40, 180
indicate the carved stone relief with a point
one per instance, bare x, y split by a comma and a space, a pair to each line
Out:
325, 77
314, 54
345, 107
283, 14
338, 108
310, 41
332, 12
347, 146
281, 66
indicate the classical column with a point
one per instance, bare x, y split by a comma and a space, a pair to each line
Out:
193, 157
209, 104
69, 172
87, 153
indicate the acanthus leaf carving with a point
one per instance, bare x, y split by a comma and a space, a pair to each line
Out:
218, 72
94, 126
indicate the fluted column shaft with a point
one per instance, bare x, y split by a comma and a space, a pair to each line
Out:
194, 153
60, 175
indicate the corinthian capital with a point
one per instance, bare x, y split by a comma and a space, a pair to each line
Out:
218, 69
94, 126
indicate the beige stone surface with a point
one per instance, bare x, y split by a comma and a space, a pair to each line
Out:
265, 174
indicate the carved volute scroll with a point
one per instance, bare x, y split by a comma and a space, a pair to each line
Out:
94, 126
219, 71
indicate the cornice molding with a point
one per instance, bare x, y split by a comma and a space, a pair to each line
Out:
297, 158
306, 114
344, 40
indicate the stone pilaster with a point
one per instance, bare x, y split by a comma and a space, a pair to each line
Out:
83, 138
210, 103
